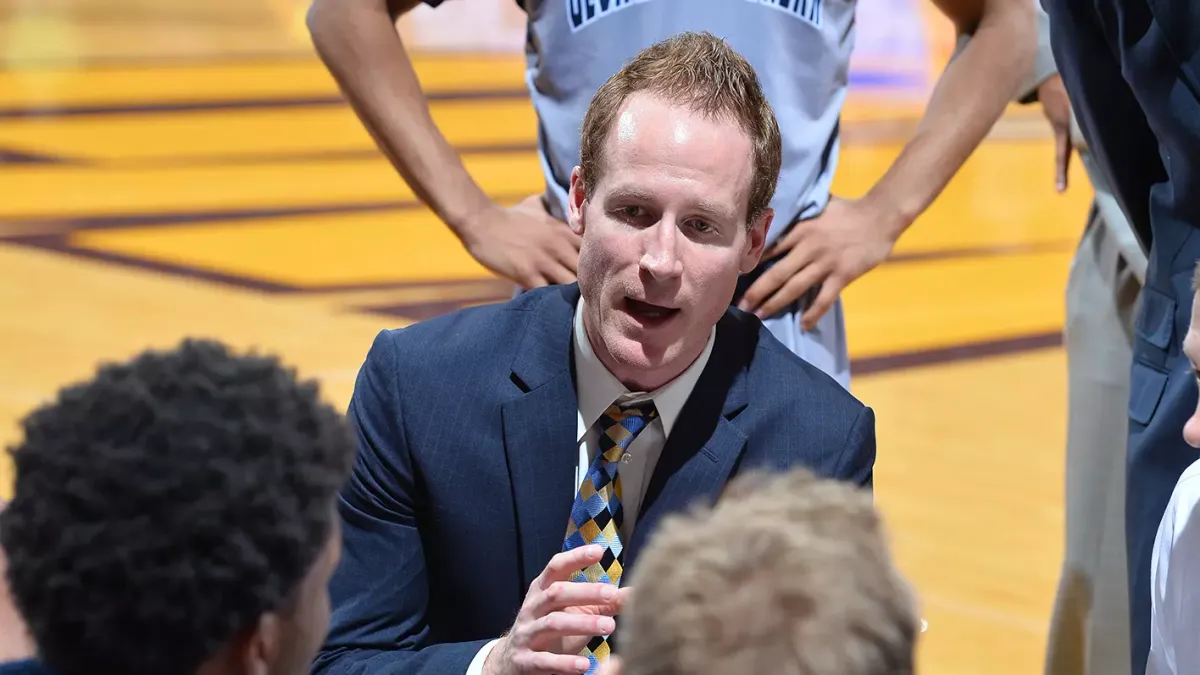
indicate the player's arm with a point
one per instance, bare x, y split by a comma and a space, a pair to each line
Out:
851, 237
968, 99
359, 44
1044, 85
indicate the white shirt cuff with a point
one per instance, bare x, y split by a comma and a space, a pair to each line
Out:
476, 667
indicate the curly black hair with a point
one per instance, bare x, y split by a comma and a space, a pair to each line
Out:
161, 507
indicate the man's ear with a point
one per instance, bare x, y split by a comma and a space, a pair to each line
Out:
576, 197
258, 647
757, 240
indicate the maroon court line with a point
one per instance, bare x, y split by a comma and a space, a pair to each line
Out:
417, 311
286, 102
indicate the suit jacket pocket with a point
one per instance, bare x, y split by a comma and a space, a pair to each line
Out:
1146, 385
1156, 318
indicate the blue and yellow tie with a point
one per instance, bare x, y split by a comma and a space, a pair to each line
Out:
597, 514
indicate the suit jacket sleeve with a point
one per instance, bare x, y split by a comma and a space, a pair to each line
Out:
379, 592
859, 460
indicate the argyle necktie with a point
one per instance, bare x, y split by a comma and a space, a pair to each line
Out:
597, 514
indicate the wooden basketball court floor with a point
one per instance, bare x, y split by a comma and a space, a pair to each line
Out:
171, 169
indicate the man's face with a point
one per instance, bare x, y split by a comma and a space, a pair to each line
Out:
664, 237
1191, 348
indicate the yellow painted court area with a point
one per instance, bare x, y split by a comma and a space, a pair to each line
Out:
216, 165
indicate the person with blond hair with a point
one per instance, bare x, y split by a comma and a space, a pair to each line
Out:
815, 246
513, 458
793, 575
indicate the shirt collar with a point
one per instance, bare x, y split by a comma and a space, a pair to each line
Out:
596, 388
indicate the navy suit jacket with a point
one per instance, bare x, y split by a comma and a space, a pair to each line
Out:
460, 494
1132, 69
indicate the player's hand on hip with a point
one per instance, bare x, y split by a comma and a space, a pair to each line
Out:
557, 619
846, 241
1056, 106
524, 244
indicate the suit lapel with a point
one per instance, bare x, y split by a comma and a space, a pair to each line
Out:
540, 431
705, 444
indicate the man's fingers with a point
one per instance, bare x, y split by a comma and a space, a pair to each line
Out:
569, 235
799, 258
623, 597
533, 202
567, 253
787, 241
563, 565
825, 299
563, 594
765, 286
558, 625
1062, 142
559, 274
547, 662
531, 281
794, 287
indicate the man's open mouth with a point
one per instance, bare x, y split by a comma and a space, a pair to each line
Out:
649, 313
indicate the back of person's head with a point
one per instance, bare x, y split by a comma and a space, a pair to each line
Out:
703, 73
176, 515
788, 575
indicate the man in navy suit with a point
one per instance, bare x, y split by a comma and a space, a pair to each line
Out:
514, 459
1132, 71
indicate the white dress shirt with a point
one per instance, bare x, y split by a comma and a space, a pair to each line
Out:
595, 390
1175, 583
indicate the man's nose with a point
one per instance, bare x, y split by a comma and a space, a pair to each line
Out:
661, 256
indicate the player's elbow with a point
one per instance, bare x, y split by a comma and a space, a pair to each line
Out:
1018, 19
1020, 29
317, 22
1011, 31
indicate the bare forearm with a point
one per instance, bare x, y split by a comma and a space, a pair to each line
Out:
969, 98
358, 43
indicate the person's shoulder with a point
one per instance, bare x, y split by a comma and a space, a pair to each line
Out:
470, 329
796, 414
777, 372
467, 338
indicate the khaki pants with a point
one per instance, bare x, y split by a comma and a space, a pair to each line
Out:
1089, 630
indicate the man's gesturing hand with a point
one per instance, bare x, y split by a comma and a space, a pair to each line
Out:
557, 619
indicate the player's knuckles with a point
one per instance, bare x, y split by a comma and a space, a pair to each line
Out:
546, 662
524, 661
555, 622
555, 593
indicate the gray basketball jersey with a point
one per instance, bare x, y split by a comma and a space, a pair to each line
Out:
801, 52
799, 48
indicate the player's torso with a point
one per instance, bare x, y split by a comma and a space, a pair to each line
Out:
799, 48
